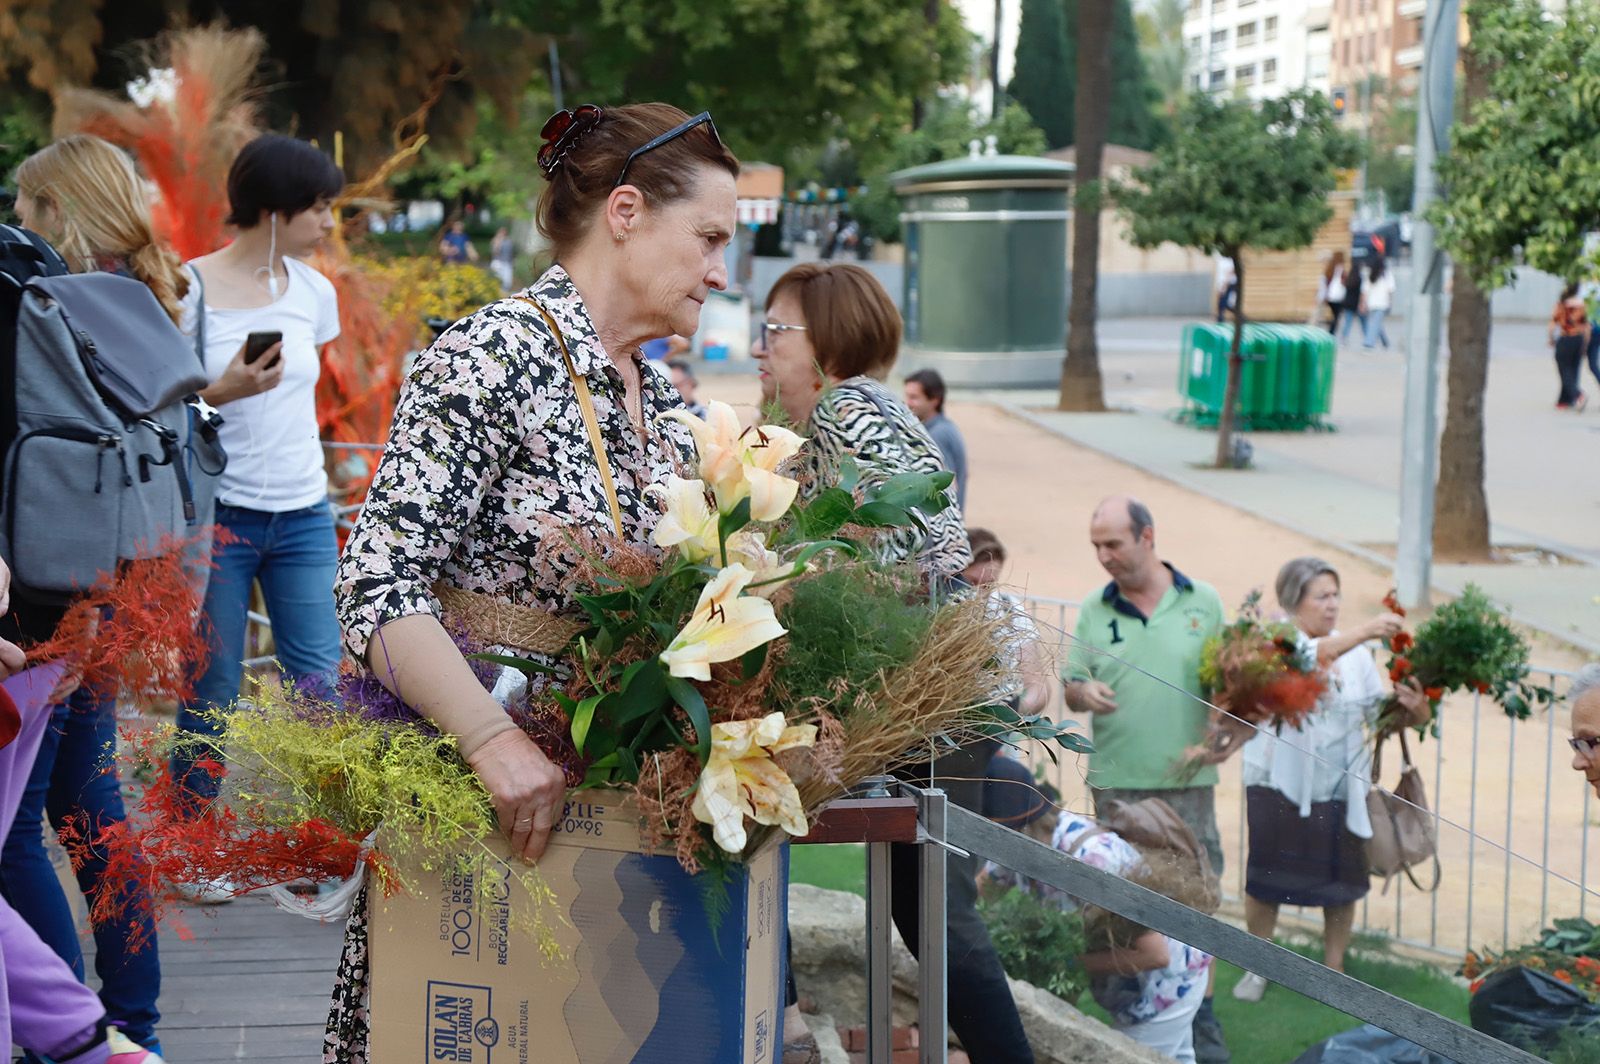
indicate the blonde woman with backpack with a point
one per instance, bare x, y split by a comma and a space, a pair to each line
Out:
84, 196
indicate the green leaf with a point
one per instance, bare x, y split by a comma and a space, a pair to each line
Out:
582, 717
522, 665
826, 514
849, 473
883, 515
694, 704
734, 519
643, 690
753, 662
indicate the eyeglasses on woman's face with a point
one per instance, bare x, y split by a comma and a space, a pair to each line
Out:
1589, 748
772, 329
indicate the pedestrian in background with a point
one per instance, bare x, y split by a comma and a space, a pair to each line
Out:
1226, 286
1135, 666
925, 392
1350, 308
1569, 337
502, 256
83, 194
1331, 290
683, 379
1376, 300
455, 247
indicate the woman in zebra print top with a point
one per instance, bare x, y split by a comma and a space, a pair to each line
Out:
830, 337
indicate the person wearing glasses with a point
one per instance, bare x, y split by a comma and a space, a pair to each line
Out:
829, 341
1585, 698
490, 458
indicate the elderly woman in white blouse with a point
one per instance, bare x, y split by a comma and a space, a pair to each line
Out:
1306, 787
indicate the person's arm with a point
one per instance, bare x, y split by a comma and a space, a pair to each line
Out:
1150, 952
472, 251
456, 427
239, 380
1330, 648
1084, 693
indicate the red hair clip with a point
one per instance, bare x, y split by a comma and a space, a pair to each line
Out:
562, 133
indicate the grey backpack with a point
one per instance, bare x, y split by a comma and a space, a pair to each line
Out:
113, 456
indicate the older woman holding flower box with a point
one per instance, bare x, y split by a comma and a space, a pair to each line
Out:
534, 417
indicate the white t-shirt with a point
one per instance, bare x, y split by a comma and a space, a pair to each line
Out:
274, 449
1380, 293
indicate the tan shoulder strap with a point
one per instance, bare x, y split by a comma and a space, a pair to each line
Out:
1085, 836
590, 422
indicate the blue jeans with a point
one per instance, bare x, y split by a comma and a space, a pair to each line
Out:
1351, 317
1372, 332
75, 776
293, 554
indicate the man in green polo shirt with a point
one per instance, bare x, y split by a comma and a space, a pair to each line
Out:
1135, 668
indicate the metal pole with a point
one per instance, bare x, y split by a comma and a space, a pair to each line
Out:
1419, 432
880, 946
933, 964
555, 75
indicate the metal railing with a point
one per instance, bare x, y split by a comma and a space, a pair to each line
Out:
1528, 756
942, 826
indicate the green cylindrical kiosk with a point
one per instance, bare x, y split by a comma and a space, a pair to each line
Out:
986, 268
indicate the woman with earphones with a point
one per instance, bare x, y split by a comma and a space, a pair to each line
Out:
262, 316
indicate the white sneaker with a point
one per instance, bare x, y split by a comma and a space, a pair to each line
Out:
217, 891
1250, 988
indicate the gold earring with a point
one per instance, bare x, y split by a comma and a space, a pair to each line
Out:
620, 236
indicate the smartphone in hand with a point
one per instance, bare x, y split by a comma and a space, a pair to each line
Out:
256, 345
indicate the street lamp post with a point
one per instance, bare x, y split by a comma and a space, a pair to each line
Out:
1419, 443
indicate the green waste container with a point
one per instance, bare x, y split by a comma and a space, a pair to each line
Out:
1286, 381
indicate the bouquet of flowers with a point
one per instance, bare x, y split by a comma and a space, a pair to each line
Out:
1259, 672
1262, 671
1467, 645
1569, 952
753, 664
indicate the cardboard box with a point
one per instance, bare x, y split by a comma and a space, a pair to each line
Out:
643, 980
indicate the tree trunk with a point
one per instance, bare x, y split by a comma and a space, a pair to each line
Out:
1230, 395
919, 107
1460, 506
1081, 385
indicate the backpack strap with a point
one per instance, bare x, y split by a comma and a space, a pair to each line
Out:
199, 314
1085, 836
590, 422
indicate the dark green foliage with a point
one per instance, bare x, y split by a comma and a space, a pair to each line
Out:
1045, 80
1469, 645
1038, 943
847, 625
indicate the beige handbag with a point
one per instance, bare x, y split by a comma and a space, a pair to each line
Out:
1402, 826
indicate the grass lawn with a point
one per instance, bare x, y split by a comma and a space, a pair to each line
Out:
1274, 1031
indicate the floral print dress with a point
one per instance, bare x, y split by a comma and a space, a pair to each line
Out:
487, 463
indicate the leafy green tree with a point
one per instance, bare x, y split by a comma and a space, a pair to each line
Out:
1042, 79
24, 129
1046, 75
1238, 175
1520, 179
1160, 26
947, 133
775, 75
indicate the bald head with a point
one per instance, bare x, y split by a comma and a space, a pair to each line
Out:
1124, 538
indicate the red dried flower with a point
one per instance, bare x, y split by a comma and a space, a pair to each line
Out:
1477, 984
1392, 604
1563, 975
1402, 642
1433, 694
1399, 669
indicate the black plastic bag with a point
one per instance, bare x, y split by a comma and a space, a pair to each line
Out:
1527, 1008
1369, 1045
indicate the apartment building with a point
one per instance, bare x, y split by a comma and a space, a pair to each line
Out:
1258, 48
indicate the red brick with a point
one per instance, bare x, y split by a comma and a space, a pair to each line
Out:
904, 1038
854, 1039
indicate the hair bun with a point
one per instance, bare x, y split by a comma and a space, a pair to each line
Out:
562, 132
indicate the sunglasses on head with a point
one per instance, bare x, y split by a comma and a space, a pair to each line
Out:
701, 119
